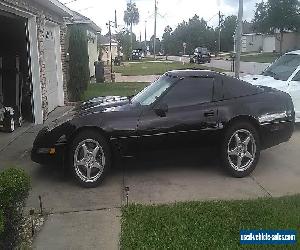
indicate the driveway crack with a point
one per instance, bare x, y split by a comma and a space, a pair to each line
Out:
261, 186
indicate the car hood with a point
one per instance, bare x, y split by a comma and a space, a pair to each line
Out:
95, 105
267, 81
101, 104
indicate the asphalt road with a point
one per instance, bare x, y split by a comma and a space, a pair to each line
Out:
246, 67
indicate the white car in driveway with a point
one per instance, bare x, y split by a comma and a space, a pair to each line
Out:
283, 74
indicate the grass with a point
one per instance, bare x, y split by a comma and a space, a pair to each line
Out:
118, 89
206, 225
260, 58
156, 68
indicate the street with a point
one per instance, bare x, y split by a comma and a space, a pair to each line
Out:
253, 68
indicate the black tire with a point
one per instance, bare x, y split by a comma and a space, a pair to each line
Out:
229, 159
89, 137
9, 124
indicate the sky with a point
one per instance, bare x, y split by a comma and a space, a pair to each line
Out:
171, 12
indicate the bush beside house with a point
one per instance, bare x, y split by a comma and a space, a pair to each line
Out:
79, 62
14, 190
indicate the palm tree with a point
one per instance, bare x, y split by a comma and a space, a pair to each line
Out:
131, 17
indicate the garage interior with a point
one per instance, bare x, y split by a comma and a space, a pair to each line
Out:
15, 77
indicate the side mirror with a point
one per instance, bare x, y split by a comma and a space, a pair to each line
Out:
161, 110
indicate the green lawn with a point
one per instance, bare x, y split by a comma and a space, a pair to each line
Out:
206, 225
155, 68
106, 89
260, 58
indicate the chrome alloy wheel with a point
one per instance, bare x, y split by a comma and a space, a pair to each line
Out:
241, 150
89, 160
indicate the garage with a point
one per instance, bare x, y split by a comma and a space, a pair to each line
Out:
32, 77
16, 101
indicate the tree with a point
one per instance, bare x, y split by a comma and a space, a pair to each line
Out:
227, 33
260, 21
131, 17
157, 45
167, 40
79, 62
281, 15
124, 42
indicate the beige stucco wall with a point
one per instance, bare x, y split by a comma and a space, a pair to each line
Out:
93, 51
252, 43
106, 52
290, 42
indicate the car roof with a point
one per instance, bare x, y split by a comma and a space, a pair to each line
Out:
297, 52
192, 73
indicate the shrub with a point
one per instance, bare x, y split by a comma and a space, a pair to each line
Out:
14, 190
1, 222
79, 61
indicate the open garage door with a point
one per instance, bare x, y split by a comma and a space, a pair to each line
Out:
51, 67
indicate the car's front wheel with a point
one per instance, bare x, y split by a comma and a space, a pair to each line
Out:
240, 149
90, 158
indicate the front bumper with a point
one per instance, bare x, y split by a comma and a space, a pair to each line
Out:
46, 152
52, 155
273, 134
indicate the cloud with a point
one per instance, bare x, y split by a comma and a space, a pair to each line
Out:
171, 12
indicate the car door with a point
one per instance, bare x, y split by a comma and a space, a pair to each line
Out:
183, 116
294, 91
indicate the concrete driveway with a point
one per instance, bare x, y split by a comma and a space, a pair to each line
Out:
90, 218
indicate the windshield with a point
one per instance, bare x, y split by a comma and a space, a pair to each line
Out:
149, 94
284, 67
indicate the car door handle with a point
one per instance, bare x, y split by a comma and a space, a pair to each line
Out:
209, 113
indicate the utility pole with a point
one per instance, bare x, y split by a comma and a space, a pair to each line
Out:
155, 17
131, 39
220, 22
110, 49
238, 39
146, 35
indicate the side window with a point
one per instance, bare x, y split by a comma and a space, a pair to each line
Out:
297, 77
190, 91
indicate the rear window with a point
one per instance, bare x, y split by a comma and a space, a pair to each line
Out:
233, 88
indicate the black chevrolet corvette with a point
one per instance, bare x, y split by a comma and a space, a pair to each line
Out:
182, 108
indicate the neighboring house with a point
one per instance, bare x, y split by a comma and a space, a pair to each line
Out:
256, 42
32, 56
92, 30
105, 44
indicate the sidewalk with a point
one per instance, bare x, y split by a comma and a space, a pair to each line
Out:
142, 78
97, 229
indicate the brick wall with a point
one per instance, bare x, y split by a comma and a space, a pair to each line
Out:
42, 15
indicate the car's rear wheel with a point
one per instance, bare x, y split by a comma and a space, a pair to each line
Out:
240, 149
90, 158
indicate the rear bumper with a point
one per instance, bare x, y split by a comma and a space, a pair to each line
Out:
275, 133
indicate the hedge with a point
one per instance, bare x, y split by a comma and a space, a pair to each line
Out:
1, 222
14, 190
78, 62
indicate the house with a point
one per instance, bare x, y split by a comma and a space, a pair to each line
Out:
105, 44
256, 42
92, 34
33, 56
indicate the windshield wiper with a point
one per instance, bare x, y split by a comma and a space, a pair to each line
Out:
272, 74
